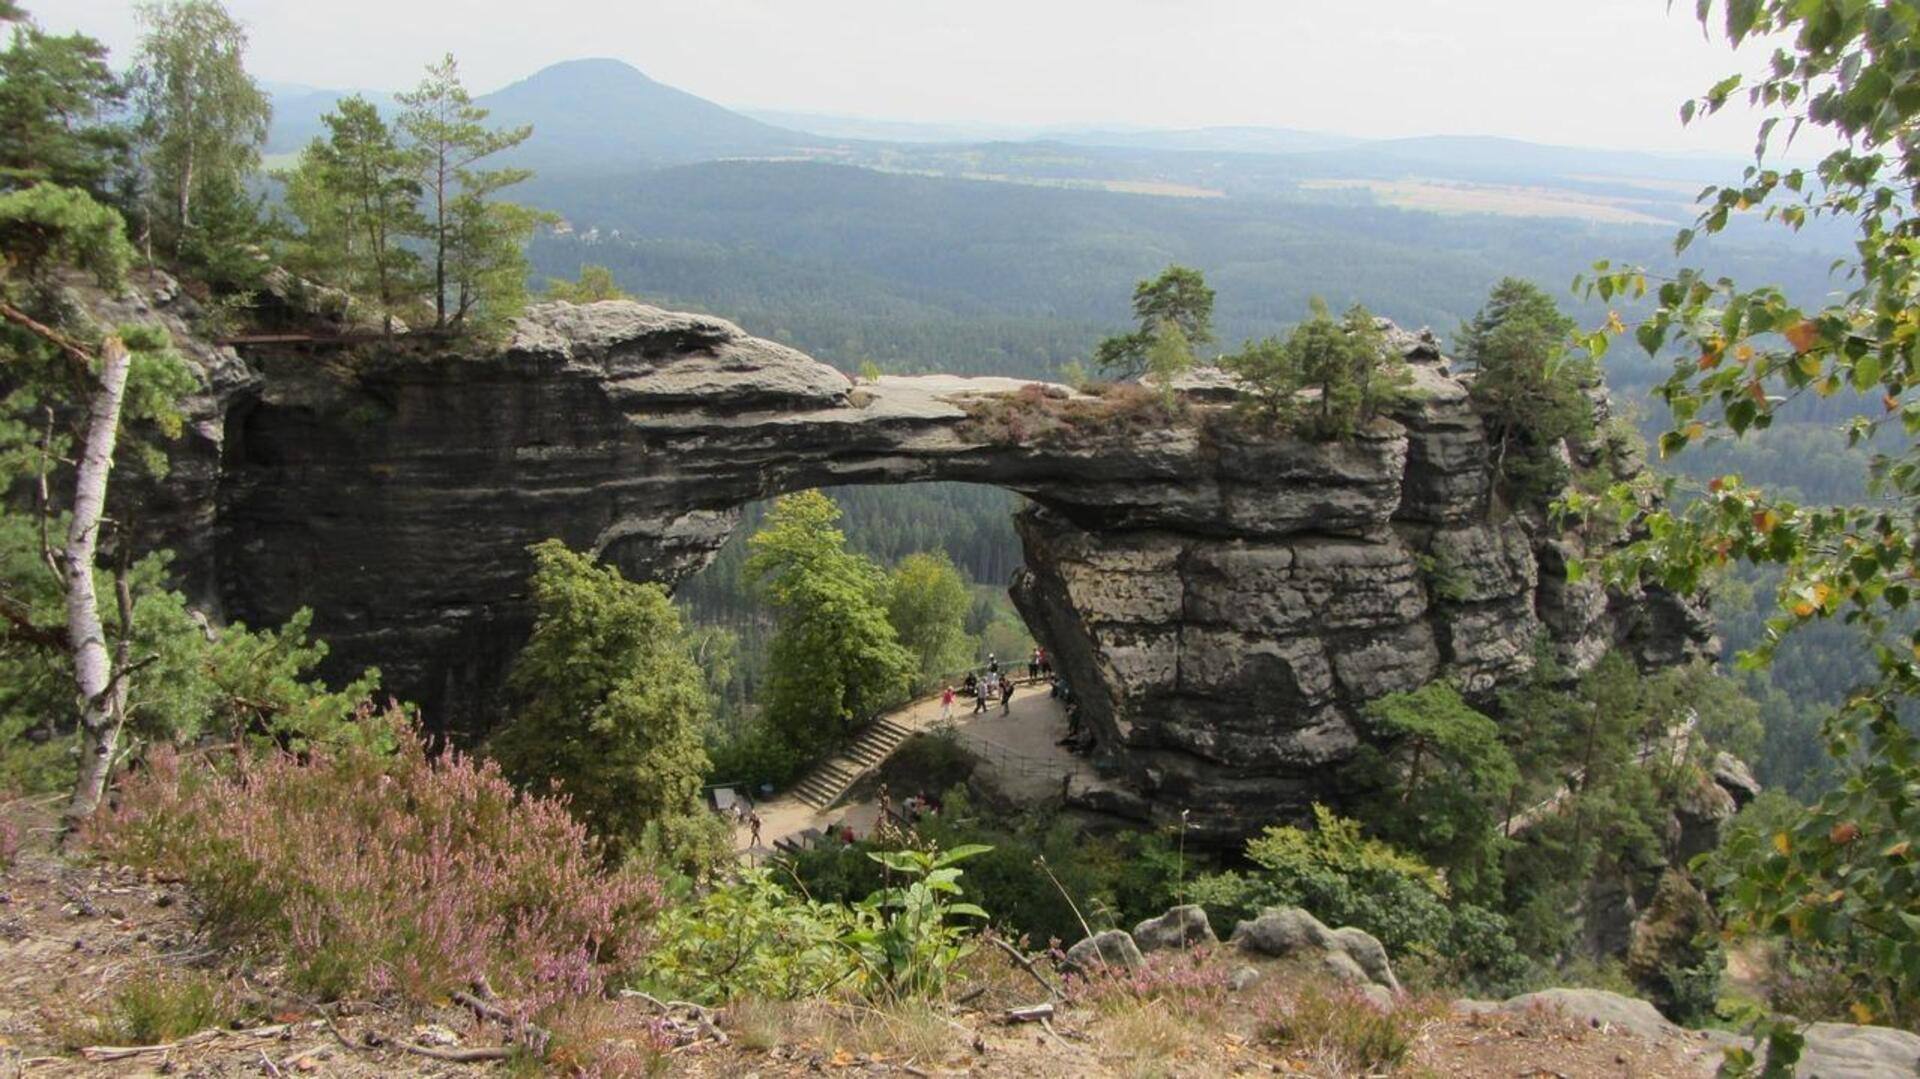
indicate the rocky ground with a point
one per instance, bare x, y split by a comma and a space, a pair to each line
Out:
74, 935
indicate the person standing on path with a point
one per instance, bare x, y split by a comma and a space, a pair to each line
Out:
753, 828
981, 694
946, 701
1006, 696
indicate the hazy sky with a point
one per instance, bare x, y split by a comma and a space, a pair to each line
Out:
1580, 72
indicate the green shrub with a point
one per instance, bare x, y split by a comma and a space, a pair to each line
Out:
1346, 879
753, 938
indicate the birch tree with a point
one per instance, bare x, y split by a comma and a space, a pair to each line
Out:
202, 118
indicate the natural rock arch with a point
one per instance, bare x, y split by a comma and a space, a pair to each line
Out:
1224, 601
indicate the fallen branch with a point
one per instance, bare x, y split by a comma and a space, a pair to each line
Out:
703, 1026
1032, 1013
458, 1056
1026, 964
121, 1052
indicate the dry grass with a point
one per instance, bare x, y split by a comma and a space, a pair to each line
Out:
910, 1031
1047, 415
1147, 1039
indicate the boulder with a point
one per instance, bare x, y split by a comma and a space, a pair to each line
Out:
1351, 955
1832, 1050
1845, 1051
1112, 949
1180, 928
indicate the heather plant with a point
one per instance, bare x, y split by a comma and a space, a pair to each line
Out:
1191, 978
389, 874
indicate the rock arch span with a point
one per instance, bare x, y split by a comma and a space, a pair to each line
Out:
1224, 601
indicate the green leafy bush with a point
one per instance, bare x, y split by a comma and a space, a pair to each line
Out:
753, 938
1346, 879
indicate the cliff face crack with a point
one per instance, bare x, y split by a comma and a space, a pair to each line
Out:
1224, 602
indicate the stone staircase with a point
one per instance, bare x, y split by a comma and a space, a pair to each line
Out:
830, 778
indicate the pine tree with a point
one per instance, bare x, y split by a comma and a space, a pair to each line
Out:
357, 194
1528, 390
58, 98
476, 243
1179, 297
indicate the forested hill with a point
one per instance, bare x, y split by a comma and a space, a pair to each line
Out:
920, 272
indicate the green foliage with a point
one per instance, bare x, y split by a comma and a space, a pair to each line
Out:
1527, 388
1042, 876
927, 603
608, 705
1839, 879
61, 100
1177, 300
202, 118
748, 937
835, 659
48, 226
752, 938
356, 192
1436, 778
595, 283
479, 265
1346, 364
1169, 356
910, 938
1343, 877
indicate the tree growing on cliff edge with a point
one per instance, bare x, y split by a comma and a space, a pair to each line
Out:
1527, 387
202, 118
1346, 365
594, 284
1180, 297
836, 660
608, 703
1844, 881
475, 241
357, 194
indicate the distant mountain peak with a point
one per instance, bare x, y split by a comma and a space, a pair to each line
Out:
606, 71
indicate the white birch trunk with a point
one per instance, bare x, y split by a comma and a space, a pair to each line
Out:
102, 695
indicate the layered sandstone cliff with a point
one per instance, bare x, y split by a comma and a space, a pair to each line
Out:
1223, 600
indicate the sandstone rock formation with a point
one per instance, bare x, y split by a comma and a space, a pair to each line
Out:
1113, 949
1182, 927
1223, 601
1832, 1051
1352, 955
